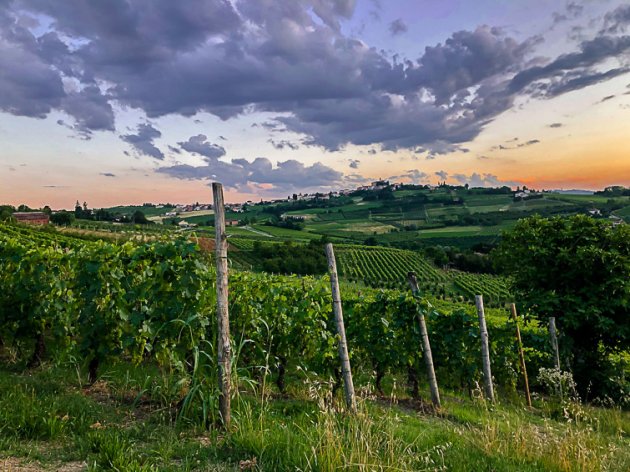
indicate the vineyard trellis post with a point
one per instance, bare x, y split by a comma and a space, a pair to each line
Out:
224, 351
521, 354
553, 334
426, 345
485, 349
341, 331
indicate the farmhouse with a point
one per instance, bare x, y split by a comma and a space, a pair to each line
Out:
31, 217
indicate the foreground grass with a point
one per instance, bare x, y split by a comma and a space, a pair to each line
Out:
127, 422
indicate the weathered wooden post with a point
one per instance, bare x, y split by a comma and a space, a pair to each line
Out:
554, 342
485, 349
341, 331
426, 346
224, 350
521, 354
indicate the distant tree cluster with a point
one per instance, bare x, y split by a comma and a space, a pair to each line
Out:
82, 212
288, 222
288, 258
614, 191
62, 218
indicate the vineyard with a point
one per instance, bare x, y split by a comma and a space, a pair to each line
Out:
135, 299
381, 267
151, 305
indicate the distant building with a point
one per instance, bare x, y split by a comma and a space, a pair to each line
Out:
32, 217
231, 222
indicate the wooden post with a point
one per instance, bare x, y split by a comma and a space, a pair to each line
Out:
224, 350
341, 331
554, 342
485, 349
426, 346
521, 354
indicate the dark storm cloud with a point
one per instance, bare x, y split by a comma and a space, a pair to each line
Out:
199, 145
142, 141
617, 20
466, 59
572, 71
397, 27
91, 110
290, 58
28, 86
576, 81
239, 173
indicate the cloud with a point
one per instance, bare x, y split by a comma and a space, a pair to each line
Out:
290, 59
199, 145
531, 142
442, 174
28, 86
556, 125
574, 70
354, 163
142, 141
413, 176
466, 59
283, 144
617, 20
107, 174
572, 10
240, 173
483, 180
91, 110
397, 27
440, 147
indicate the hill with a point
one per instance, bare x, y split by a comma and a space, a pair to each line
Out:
407, 216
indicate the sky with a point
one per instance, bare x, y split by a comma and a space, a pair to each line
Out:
129, 101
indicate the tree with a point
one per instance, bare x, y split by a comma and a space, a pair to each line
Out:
371, 241
576, 269
62, 218
6, 212
139, 218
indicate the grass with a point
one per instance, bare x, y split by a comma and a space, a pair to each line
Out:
125, 422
